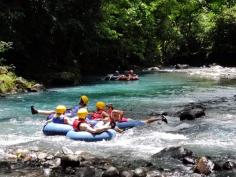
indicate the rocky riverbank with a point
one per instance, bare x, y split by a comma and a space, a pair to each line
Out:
33, 162
10, 83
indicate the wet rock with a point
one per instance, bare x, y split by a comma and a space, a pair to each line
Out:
191, 114
11, 157
126, 174
154, 174
67, 151
50, 157
218, 166
204, 166
86, 172
178, 152
140, 172
70, 161
47, 171
111, 172
22, 153
52, 163
5, 166
188, 160
181, 66
229, 165
36, 88
42, 156
85, 156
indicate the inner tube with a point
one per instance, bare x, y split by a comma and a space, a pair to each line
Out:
89, 137
51, 128
129, 124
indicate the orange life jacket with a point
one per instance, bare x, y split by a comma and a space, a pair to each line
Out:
76, 124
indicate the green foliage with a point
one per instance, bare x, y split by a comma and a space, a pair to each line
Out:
96, 36
4, 46
7, 82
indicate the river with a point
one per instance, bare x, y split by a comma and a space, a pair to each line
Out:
155, 92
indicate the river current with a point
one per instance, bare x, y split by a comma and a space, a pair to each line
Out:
154, 92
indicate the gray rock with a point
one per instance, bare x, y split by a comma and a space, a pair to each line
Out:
47, 171
66, 150
140, 172
204, 166
188, 160
191, 114
70, 161
86, 172
154, 174
42, 156
178, 152
52, 163
229, 165
5, 166
37, 87
126, 174
111, 172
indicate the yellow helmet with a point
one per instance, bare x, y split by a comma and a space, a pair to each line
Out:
100, 105
84, 99
82, 113
60, 109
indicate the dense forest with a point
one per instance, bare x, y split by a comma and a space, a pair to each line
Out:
58, 40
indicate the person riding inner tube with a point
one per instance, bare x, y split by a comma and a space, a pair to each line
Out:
81, 124
59, 116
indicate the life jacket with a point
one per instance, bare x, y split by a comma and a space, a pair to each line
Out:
122, 119
55, 119
97, 115
76, 124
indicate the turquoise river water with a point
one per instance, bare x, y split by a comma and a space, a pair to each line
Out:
154, 92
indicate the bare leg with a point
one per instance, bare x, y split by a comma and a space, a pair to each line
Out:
154, 119
44, 112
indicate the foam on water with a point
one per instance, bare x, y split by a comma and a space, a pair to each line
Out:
156, 92
214, 72
9, 140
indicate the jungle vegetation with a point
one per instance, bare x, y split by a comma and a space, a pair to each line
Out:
58, 40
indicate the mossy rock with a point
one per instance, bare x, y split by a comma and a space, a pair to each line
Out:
3, 70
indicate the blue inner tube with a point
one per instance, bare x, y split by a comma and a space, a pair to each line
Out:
130, 124
56, 129
89, 137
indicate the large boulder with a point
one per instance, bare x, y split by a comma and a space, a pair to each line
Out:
70, 161
229, 165
37, 87
204, 166
190, 112
111, 172
178, 152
